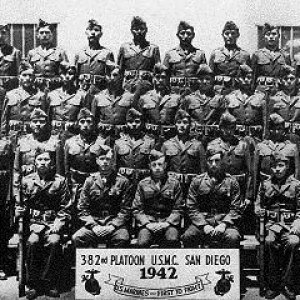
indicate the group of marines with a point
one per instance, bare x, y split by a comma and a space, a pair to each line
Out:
182, 153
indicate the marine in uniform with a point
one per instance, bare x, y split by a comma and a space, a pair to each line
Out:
133, 148
80, 156
103, 206
213, 206
64, 105
185, 155
137, 59
46, 59
276, 142
184, 60
10, 58
279, 199
44, 207
157, 206
225, 61
20, 102
267, 63
93, 62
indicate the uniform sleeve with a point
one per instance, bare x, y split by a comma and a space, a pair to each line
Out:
84, 212
63, 216
296, 223
297, 163
234, 214
17, 61
203, 58
202, 157
156, 55
64, 60
254, 65
197, 218
59, 152
124, 213
175, 216
212, 61
138, 207
5, 116
121, 60
249, 179
166, 60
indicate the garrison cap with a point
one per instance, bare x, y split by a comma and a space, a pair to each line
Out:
287, 70
133, 114
230, 25
37, 114
42, 150
276, 119
43, 23
137, 22
103, 150
245, 70
278, 156
214, 149
181, 114
183, 25
159, 68
203, 70
93, 23
84, 113
268, 27
155, 155
227, 119
25, 67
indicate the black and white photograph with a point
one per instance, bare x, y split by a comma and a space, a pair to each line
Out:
149, 149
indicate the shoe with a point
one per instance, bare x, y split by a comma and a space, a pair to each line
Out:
31, 294
270, 294
3, 275
288, 293
53, 292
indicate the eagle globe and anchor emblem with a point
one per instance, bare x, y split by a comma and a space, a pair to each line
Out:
223, 285
91, 285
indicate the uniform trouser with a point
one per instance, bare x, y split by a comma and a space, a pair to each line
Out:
167, 238
280, 252
195, 236
43, 259
85, 237
4, 236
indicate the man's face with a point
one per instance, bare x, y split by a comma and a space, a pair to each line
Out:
182, 126
85, 125
94, 33
214, 163
38, 124
280, 169
43, 162
45, 35
105, 161
289, 82
26, 79
139, 32
158, 167
205, 83
186, 36
3, 36
272, 38
134, 124
160, 80
230, 37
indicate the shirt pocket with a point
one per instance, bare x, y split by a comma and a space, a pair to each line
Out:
172, 152
123, 150
74, 150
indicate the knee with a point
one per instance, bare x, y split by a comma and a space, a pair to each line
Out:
189, 239
232, 238
33, 239
292, 241
270, 240
54, 239
144, 238
121, 240
77, 239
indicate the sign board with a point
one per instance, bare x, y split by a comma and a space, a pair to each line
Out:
157, 274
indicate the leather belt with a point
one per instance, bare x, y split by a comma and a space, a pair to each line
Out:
23, 127
62, 125
223, 80
182, 177
43, 215
267, 80
137, 74
182, 81
92, 79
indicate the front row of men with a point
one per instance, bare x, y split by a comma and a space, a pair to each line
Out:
104, 208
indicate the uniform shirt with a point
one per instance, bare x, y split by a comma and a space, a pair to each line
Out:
155, 204
189, 158
133, 154
254, 107
47, 62
10, 58
104, 201
211, 203
181, 64
50, 195
131, 57
268, 63
286, 106
222, 62
168, 107
81, 156
19, 104
64, 106
287, 196
110, 109
93, 62
266, 148
203, 109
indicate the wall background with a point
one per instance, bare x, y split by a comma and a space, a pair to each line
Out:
162, 17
